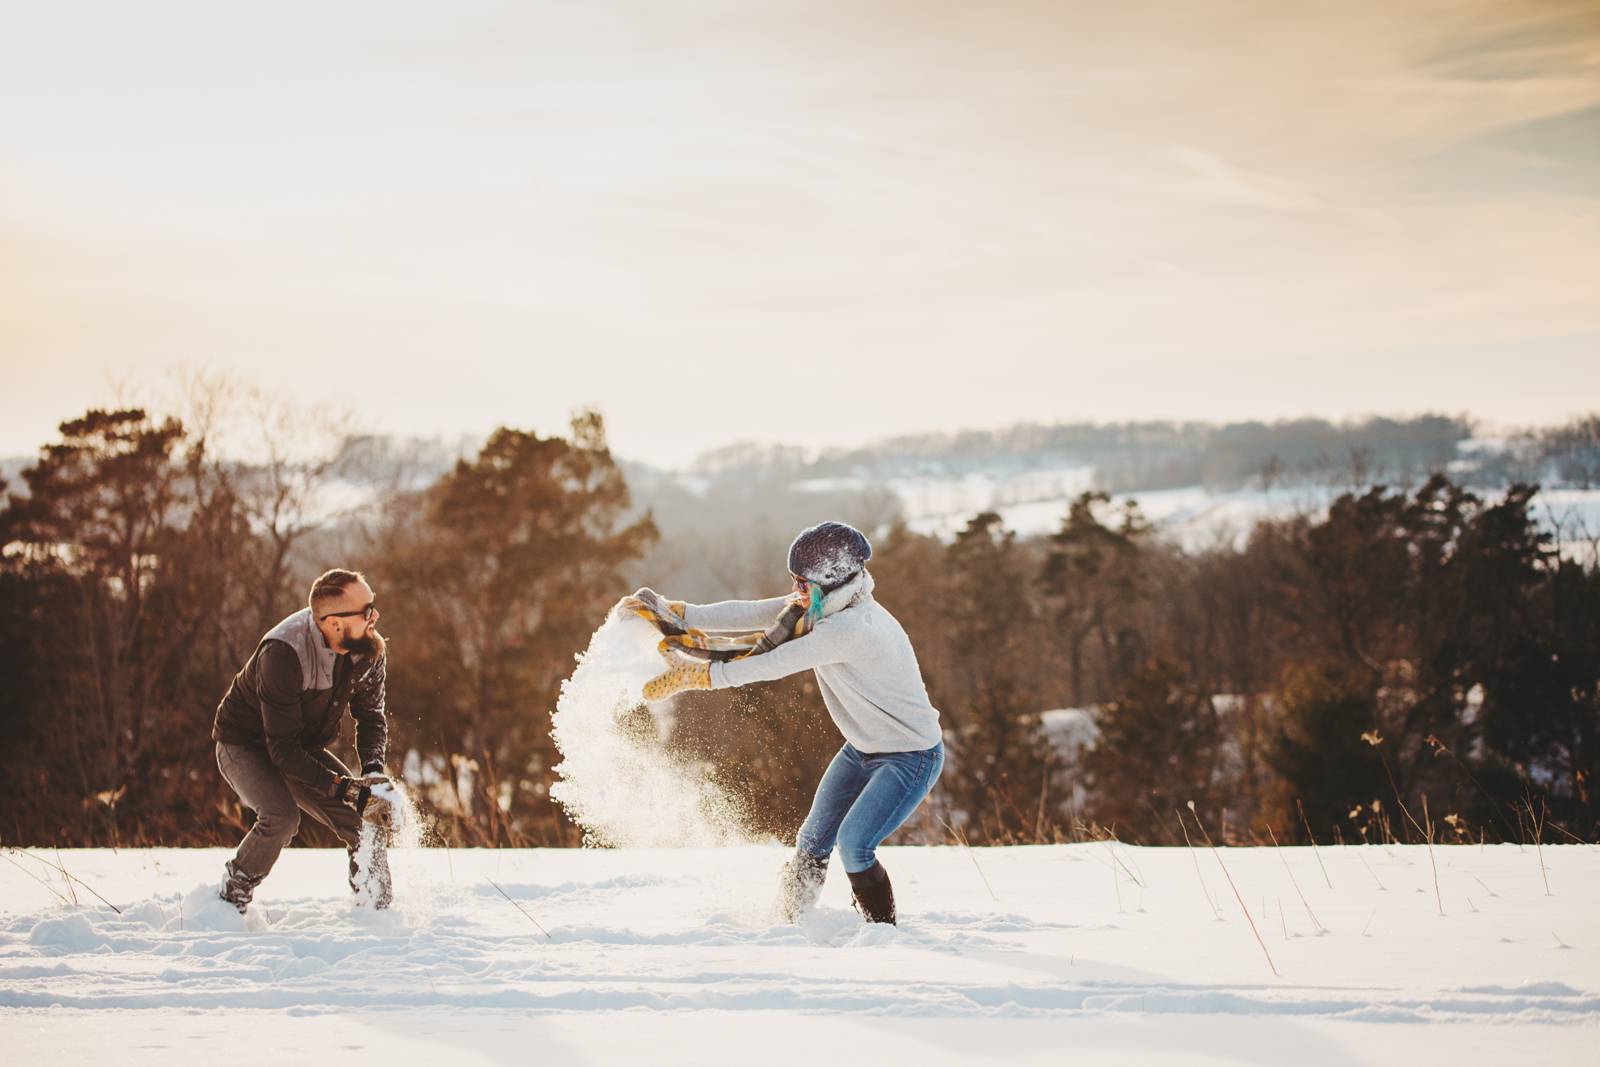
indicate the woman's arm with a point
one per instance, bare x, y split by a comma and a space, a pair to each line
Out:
734, 614
827, 643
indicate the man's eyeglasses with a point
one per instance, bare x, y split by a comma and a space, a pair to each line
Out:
366, 613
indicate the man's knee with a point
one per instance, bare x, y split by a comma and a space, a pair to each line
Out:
278, 825
344, 822
349, 834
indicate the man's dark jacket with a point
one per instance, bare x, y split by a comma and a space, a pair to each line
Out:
291, 696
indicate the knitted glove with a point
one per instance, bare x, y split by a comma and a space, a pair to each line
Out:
639, 604
678, 678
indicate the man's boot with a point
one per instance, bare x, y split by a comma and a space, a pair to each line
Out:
238, 887
874, 895
800, 884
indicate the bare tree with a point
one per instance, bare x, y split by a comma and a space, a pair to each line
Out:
278, 459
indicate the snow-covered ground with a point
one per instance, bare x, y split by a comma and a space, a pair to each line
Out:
1087, 953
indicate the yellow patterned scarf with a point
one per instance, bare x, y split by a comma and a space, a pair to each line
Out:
801, 612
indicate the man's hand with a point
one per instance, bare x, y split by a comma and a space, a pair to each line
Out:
681, 677
353, 791
349, 790
374, 807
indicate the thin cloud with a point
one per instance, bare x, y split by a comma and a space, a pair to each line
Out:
970, 213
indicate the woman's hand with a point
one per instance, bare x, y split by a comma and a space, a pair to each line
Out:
629, 605
679, 678
645, 602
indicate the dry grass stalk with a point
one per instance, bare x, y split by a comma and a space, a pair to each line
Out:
961, 839
520, 908
1110, 839
1440, 749
70, 878
1431, 862
1038, 822
1234, 887
1373, 738
58, 894
1313, 839
1192, 855
1370, 871
1576, 840
1294, 882
1131, 865
65, 877
1538, 843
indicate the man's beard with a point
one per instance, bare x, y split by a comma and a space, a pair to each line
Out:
370, 645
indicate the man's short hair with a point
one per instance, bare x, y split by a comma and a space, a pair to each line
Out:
330, 585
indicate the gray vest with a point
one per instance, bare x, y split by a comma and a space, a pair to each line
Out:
299, 631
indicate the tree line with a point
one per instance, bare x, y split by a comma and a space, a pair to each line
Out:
1413, 664
1134, 456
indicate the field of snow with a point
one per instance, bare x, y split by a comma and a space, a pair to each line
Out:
1088, 953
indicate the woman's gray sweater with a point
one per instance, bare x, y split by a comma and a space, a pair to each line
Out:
865, 666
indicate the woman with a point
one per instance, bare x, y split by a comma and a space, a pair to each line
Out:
870, 682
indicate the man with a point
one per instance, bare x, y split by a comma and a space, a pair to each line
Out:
282, 711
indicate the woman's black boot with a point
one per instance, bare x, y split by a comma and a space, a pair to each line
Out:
874, 895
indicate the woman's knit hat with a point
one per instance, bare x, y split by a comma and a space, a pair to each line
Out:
829, 553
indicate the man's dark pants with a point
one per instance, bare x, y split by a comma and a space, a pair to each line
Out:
278, 803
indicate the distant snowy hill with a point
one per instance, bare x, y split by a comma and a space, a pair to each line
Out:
1198, 519
1201, 485
1033, 502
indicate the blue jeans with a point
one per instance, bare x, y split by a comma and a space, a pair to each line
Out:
863, 798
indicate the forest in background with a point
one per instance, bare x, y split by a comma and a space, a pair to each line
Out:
1418, 663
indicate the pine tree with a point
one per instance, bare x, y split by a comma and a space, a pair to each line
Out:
497, 574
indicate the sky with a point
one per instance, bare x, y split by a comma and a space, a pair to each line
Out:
815, 222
